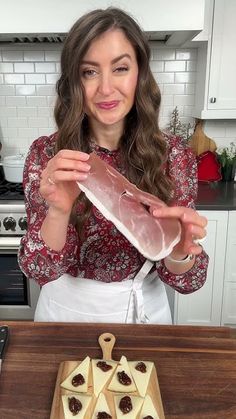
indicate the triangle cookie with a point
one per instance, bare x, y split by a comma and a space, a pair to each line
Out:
121, 376
101, 406
71, 402
141, 372
121, 401
148, 408
78, 378
102, 371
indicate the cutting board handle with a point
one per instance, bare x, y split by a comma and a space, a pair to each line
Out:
107, 342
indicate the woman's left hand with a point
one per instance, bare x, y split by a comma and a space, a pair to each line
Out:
193, 228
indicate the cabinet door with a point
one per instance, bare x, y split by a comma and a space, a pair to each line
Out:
229, 300
222, 81
203, 307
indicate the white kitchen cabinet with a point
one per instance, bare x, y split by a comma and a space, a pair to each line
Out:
216, 81
204, 306
229, 299
171, 20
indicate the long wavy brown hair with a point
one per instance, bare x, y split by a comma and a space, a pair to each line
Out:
143, 148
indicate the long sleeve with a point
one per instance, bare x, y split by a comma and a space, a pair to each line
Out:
182, 169
35, 258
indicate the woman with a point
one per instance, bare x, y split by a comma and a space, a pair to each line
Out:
107, 102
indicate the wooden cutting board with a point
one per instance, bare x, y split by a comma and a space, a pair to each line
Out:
106, 341
199, 142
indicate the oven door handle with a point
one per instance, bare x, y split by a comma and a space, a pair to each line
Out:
9, 243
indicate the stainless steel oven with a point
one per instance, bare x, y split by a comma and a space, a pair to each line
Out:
18, 294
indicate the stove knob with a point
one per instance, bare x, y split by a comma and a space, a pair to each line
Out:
9, 223
23, 223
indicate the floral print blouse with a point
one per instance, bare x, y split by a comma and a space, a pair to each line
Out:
104, 254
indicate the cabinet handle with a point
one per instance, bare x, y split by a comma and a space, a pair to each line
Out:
213, 99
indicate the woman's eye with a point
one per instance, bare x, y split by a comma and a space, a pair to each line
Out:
121, 69
89, 73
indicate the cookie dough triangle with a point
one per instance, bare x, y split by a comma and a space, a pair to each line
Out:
148, 408
136, 406
141, 379
83, 369
84, 400
101, 375
116, 385
101, 406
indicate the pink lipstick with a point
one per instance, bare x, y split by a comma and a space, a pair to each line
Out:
108, 105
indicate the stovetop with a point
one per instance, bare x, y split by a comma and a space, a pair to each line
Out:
11, 191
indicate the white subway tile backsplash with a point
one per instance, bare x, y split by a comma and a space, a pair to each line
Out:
163, 54
58, 68
28, 133
157, 66
191, 65
45, 67
14, 78
3, 123
37, 101
167, 111
215, 128
164, 77
46, 111
6, 68
27, 111
184, 100
52, 78
190, 89
185, 54
6, 89
24, 67
33, 56
25, 89
174, 89
185, 77
51, 100
175, 65
52, 55
47, 90
35, 78
17, 122
28, 74
7, 111
167, 100
15, 101
12, 56
9, 132
38, 122
230, 129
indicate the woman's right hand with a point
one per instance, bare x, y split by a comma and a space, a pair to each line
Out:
58, 180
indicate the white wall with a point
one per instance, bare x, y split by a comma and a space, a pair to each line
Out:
27, 92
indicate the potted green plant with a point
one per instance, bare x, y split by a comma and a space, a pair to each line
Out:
227, 158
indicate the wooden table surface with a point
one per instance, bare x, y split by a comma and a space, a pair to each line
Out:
196, 366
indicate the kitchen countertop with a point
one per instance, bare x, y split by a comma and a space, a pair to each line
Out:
220, 196
196, 366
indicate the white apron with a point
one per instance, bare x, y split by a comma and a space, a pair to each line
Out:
70, 299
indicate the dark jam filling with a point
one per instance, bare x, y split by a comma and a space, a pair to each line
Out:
103, 415
104, 366
125, 405
78, 380
141, 367
123, 378
148, 417
75, 405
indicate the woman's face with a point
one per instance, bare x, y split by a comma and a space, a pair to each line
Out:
109, 73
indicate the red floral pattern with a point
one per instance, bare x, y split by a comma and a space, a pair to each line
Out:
105, 254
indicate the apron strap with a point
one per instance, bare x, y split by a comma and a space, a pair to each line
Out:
136, 295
